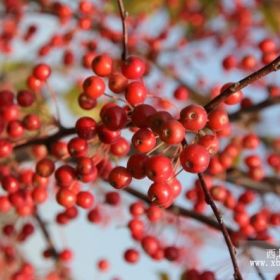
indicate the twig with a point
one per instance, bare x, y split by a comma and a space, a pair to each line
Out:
257, 268
183, 212
46, 140
268, 184
237, 274
123, 14
254, 108
271, 67
46, 235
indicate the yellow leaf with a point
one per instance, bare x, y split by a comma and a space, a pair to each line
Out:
71, 99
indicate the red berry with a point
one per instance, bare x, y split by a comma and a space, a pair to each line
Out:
45, 167
42, 72
234, 98
195, 158
114, 117
193, 117
172, 132
133, 68
86, 127
160, 194
6, 148
66, 198
94, 87
85, 102
102, 65
136, 165
181, 93
85, 199
131, 256
120, 148
77, 147
144, 140
140, 115
135, 93
117, 83
159, 168
218, 120
119, 177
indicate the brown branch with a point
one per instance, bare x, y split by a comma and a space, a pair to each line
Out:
271, 67
46, 140
254, 108
188, 213
46, 235
208, 198
268, 184
175, 209
123, 14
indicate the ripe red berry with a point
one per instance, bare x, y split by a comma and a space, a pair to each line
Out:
42, 72
136, 165
159, 168
113, 198
85, 199
131, 256
94, 87
135, 93
171, 253
15, 129
120, 148
172, 132
210, 142
6, 148
195, 158
66, 198
65, 175
31, 122
140, 115
34, 83
66, 255
119, 177
150, 244
10, 184
117, 83
106, 135
114, 117
160, 194
144, 140
218, 120
85, 102
102, 65
77, 147
193, 117
181, 93
133, 68
45, 167
234, 98
6, 98
157, 120
86, 127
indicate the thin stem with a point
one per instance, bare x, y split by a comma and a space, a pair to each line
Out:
46, 235
271, 67
258, 270
237, 274
123, 14
47, 140
254, 108
184, 212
